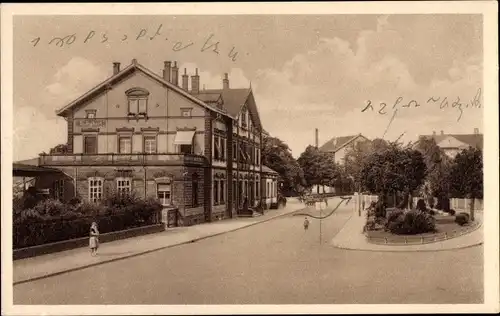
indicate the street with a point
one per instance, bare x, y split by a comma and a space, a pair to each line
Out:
275, 262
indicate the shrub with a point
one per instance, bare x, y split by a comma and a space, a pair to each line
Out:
90, 209
462, 219
432, 212
451, 212
411, 223
50, 207
370, 224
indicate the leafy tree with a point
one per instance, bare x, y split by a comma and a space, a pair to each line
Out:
354, 160
319, 167
277, 155
438, 168
393, 170
466, 176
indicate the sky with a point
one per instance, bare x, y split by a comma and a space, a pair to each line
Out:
306, 71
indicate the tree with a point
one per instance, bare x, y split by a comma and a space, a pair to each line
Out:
466, 175
393, 170
277, 155
354, 159
319, 167
438, 168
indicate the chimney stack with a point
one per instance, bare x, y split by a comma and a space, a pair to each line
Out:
175, 74
442, 132
316, 141
225, 81
185, 80
195, 82
116, 68
476, 131
167, 65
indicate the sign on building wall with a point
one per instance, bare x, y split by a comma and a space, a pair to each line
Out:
89, 123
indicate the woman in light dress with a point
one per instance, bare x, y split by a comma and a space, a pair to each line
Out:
94, 239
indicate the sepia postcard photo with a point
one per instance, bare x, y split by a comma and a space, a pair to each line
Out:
229, 158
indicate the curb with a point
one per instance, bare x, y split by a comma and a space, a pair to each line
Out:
479, 225
151, 250
406, 251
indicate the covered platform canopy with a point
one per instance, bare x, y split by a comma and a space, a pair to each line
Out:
22, 170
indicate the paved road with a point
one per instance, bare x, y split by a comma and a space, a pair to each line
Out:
271, 263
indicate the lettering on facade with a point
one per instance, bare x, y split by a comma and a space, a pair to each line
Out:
91, 123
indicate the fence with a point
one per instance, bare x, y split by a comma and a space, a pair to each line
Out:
413, 240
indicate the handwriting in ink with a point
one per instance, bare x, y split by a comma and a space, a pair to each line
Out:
383, 105
210, 44
215, 46
445, 103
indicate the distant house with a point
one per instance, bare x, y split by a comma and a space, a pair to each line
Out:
451, 144
338, 146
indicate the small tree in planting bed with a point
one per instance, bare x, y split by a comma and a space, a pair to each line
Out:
466, 176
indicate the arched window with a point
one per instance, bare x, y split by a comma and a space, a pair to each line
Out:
137, 101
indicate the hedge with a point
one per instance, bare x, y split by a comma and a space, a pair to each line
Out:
52, 221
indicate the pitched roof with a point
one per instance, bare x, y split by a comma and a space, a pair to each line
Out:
135, 66
337, 143
268, 170
233, 99
473, 140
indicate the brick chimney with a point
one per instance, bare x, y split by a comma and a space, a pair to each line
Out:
476, 131
225, 81
185, 80
195, 83
175, 74
116, 68
167, 68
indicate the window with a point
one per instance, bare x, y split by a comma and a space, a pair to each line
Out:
164, 193
257, 193
186, 149
59, 190
123, 185
90, 144
268, 190
90, 114
95, 189
125, 145
216, 192
186, 112
257, 156
223, 148
235, 151
244, 118
195, 190
137, 101
222, 192
150, 144
234, 191
217, 149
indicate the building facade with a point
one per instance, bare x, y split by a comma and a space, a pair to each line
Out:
198, 151
452, 144
339, 146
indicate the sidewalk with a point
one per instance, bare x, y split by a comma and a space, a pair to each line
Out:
351, 237
30, 269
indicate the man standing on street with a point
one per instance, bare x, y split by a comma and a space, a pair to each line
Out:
306, 224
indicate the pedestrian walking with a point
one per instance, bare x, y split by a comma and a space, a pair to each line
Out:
306, 224
94, 239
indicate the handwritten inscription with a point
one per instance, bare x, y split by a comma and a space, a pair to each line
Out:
85, 123
444, 102
210, 44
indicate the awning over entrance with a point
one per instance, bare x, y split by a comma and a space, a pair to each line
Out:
22, 170
184, 138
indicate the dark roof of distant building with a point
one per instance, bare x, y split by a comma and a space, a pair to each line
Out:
473, 140
337, 143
